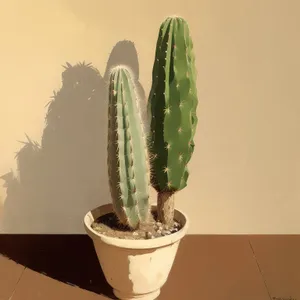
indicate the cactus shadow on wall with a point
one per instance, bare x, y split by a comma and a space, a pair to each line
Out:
65, 175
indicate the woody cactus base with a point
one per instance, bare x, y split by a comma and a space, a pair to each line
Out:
136, 244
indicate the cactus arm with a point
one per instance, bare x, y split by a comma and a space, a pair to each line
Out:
115, 149
127, 164
139, 164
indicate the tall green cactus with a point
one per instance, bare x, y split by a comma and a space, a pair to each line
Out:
129, 175
172, 106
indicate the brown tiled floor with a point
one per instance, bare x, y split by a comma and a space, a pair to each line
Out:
34, 286
207, 267
279, 260
10, 274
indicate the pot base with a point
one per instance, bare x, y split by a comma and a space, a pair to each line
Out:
149, 296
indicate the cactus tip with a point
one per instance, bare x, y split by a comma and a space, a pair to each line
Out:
175, 16
121, 67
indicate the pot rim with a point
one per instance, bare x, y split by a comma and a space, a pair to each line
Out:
133, 244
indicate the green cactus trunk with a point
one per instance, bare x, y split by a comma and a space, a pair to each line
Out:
172, 107
129, 172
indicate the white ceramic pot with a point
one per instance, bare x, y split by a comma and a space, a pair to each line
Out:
136, 269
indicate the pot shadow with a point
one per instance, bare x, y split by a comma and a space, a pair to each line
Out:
67, 258
63, 177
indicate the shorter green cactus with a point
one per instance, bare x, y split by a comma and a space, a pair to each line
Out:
128, 164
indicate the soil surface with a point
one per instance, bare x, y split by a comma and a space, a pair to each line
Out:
110, 226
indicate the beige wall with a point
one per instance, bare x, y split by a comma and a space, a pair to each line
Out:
245, 172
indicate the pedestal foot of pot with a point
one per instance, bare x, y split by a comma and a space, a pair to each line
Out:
125, 296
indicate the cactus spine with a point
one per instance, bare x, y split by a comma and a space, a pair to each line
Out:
172, 106
128, 167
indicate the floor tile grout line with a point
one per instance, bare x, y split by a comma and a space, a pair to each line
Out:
260, 270
13, 292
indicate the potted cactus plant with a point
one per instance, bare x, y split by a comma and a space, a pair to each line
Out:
136, 242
